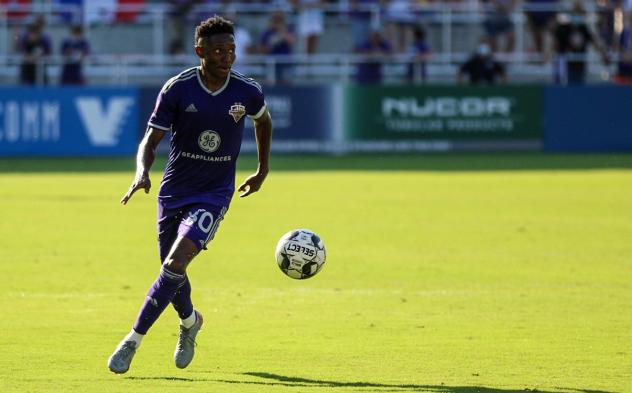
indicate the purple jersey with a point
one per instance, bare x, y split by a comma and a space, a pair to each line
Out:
206, 132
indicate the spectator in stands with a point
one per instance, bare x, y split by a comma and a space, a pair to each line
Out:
420, 52
74, 49
541, 17
498, 24
571, 39
375, 50
400, 21
606, 15
361, 19
310, 22
481, 68
624, 48
179, 14
244, 45
35, 46
278, 40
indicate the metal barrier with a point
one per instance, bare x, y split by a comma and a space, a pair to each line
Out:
124, 70
115, 68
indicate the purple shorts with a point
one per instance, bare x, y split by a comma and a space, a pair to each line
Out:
197, 222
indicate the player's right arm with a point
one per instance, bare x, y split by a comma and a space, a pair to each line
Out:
144, 160
159, 122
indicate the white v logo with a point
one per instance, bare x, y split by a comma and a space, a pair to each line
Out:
103, 126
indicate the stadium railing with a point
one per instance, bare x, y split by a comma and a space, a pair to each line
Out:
449, 47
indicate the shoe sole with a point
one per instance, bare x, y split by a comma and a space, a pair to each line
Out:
117, 371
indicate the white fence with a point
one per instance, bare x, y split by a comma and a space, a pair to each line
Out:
455, 27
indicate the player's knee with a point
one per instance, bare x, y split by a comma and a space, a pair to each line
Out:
180, 256
176, 265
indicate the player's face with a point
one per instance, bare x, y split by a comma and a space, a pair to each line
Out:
217, 54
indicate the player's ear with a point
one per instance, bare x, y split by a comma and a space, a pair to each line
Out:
199, 51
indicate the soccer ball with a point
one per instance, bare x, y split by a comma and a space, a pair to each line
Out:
300, 254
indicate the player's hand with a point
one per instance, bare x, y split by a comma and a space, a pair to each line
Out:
252, 183
141, 181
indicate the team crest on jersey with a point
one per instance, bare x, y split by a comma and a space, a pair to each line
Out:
237, 111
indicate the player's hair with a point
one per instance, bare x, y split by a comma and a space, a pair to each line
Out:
212, 26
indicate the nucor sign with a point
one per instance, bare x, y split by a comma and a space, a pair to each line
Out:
446, 106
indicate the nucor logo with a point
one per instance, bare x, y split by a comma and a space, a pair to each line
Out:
446, 106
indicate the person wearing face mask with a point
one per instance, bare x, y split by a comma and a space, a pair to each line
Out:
572, 37
481, 68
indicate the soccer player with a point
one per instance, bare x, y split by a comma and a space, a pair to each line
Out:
203, 108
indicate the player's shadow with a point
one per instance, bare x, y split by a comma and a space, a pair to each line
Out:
179, 379
282, 380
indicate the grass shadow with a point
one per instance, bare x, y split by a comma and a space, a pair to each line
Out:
354, 162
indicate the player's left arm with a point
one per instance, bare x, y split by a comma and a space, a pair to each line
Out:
263, 134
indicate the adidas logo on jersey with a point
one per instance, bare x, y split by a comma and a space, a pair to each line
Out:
191, 108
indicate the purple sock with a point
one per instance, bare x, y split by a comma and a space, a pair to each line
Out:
157, 299
182, 300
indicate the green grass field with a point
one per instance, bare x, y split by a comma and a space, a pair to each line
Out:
445, 273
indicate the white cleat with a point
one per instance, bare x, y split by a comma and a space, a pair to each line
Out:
122, 357
185, 347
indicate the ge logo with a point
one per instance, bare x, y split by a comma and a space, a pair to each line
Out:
209, 141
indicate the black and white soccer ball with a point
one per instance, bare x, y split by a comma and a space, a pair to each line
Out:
300, 254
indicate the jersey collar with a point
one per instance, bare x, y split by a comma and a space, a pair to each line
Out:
213, 93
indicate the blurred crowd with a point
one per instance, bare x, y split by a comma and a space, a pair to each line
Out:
560, 34
35, 45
